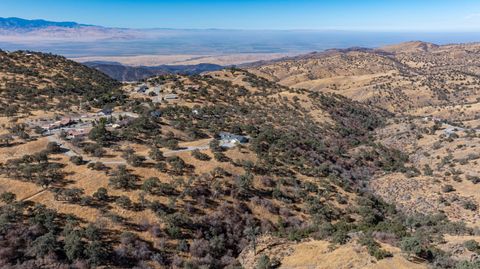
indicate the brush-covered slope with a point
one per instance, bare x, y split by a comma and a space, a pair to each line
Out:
153, 186
37, 81
400, 78
134, 73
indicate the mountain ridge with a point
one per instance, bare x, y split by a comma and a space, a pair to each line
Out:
414, 74
16, 23
122, 72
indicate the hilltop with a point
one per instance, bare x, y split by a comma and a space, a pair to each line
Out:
400, 78
410, 47
33, 81
134, 73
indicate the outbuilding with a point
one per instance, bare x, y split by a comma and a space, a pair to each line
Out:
170, 96
105, 112
142, 88
232, 138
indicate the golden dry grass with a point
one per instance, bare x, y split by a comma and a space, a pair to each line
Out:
318, 255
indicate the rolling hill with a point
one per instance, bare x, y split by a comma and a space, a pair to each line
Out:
31, 80
400, 78
134, 73
238, 167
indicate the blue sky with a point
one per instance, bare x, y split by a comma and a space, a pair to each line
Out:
386, 15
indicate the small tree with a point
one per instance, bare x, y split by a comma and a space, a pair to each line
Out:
95, 252
74, 246
95, 150
448, 188
151, 185
221, 157
252, 233
44, 245
124, 202
6, 139
8, 197
122, 179
156, 154
101, 194
53, 147
215, 146
72, 195
416, 245
200, 155
77, 160
263, 262
161, 166
100, 134
244, 182
427, 170
172, 144
99, 166
178, 164
132, 158
471, 245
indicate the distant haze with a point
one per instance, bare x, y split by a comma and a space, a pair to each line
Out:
234, 41
78, 40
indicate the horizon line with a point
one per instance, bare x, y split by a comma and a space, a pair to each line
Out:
326, 29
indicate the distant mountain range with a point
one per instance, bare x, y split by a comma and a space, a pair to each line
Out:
19, 23
133, 73
20, 30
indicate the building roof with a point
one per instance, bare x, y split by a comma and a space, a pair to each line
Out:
170, 96
141, 88
106, 111
156, 113
125, 121
66, 120
76, 132
230, 136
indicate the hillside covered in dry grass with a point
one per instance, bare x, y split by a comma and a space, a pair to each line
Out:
31, 80
227, 169
399, 78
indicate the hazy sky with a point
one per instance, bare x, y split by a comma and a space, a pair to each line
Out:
408, 15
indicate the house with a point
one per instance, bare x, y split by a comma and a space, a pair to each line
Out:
157, 89
58, 124
49, 127
452, 131
170, 96
105, 112
124, 122
232, 138
156, 114
66, 121
75, 133
141, 89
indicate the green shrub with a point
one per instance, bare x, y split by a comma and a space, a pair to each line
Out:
374, 248
77, 160
200, 155
448, 188
471, 245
